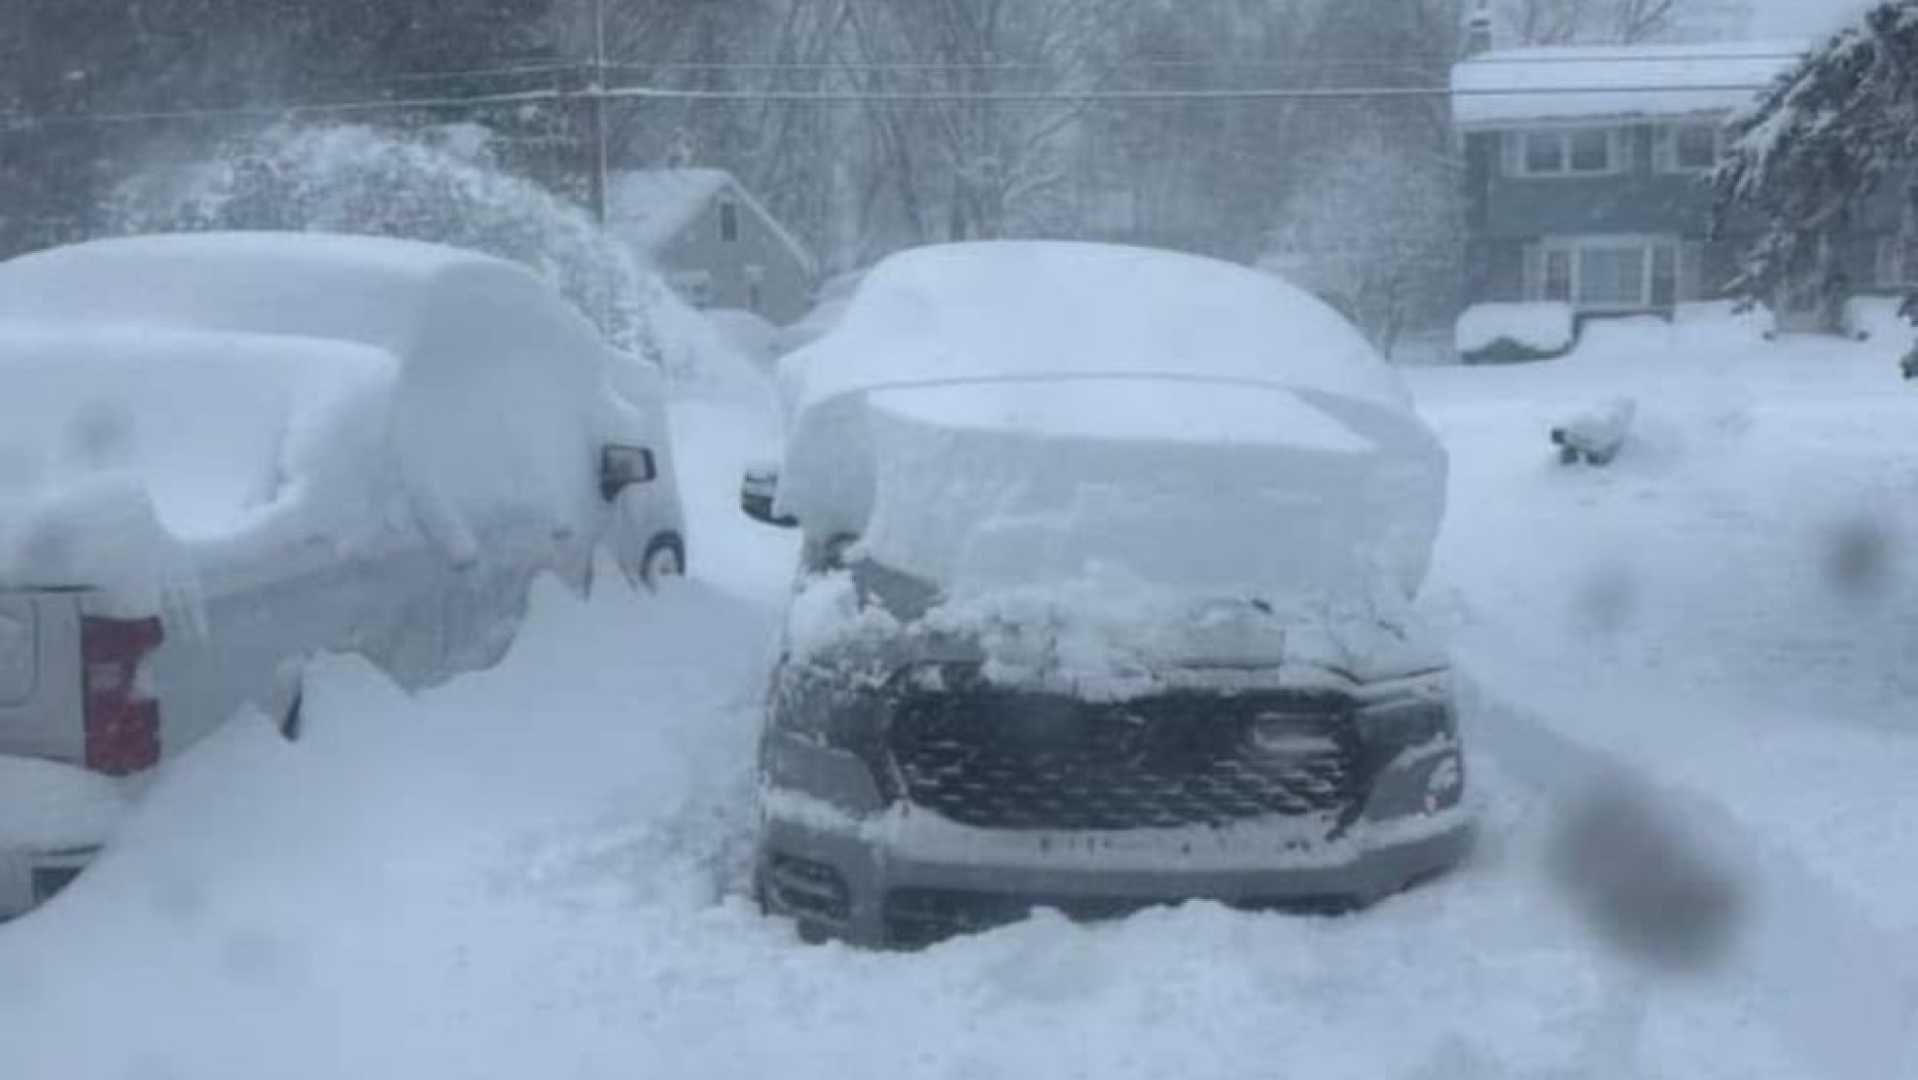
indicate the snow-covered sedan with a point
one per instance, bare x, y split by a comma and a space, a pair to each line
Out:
221, 453
1105, 601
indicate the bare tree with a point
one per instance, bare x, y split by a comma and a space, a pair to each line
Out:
1641, 20
1374, 232
1559, 22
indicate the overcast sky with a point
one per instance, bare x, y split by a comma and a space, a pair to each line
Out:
1801, 18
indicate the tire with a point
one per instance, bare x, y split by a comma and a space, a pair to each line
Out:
665, 558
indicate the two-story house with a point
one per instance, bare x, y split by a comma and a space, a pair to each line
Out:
1587, 173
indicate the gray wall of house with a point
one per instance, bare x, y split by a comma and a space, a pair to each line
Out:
785, 282
1505, 213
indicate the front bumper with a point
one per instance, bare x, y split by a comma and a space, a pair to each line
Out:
900, 875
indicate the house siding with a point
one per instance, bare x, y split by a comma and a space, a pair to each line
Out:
1506, 213
1638, 200
785, 288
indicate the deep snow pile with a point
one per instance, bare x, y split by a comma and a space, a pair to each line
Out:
533, 871
1543, 327
196, 411
47, 806
1730, 605
998, 414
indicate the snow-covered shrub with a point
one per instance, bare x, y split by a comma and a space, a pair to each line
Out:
439, 185
1512, 333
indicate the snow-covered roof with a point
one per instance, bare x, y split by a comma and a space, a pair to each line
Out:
366, 289
1569, 82
648, 208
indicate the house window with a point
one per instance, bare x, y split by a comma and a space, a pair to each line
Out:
1688, 147
1609, 273
1575, 152
1544, 152
728, 221
1611, 277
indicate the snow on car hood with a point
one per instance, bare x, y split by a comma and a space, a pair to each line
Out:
1232, 491
1106, 634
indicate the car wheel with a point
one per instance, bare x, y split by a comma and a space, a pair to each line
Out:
665, 558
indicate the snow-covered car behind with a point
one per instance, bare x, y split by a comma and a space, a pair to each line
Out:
1104, 601
221, 453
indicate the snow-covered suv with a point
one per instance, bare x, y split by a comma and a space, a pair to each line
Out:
1105, 601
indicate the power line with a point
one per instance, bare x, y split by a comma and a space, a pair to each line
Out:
659, 93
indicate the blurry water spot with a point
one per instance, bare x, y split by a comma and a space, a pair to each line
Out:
100, 436
256, 958
1858, 556
1607, 599
179, 899
1643, 887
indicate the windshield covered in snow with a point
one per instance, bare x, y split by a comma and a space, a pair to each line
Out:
937, 538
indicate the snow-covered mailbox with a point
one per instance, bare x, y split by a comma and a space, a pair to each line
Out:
222, 453
1105, 597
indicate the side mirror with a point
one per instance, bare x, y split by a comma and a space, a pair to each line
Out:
621, 467
758, 491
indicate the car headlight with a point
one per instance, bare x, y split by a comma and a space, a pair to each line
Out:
1406, 721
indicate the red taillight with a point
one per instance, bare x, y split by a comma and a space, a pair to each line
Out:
122, 725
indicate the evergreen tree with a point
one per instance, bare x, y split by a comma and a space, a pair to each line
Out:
1826, 137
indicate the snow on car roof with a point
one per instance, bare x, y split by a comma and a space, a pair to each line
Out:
1102, 408
214, 425
243, 398
366, 289
1570, 82
1031, 309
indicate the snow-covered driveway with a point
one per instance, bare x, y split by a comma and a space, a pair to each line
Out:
535, 872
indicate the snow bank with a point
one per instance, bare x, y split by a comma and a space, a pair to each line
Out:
1545, 327
284, 400
1876, 318
46, 806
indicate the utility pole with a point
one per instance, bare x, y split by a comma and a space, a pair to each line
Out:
596, 116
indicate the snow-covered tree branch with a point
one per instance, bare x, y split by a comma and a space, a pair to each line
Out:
1824, 139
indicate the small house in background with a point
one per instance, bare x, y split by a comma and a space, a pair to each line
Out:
1587, 173
715, 244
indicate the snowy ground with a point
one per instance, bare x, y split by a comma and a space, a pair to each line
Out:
534, 872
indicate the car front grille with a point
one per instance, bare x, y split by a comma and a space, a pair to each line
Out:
1004, 760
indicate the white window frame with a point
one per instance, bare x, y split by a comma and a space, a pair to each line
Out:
1520, 159
1573, 247
1665, 147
